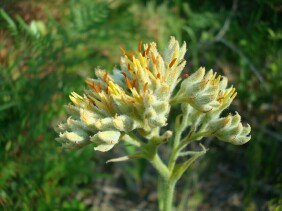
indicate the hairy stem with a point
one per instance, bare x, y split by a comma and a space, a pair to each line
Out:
168, 194
179, 130
160, 166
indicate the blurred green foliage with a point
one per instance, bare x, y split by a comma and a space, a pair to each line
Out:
48, 48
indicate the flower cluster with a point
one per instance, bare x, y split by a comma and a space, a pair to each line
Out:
139, 96
206, 96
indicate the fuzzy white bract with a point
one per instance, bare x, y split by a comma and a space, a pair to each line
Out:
139, 95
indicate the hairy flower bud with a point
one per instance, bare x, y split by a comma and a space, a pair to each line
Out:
139, 95
105, 140
235, 132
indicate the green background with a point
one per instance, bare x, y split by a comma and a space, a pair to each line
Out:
48, 48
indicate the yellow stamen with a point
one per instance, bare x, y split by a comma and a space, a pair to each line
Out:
217, 80
220, 98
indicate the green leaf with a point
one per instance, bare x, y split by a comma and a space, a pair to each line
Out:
7, 106
11, 24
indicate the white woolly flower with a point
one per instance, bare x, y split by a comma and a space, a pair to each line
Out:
140, 95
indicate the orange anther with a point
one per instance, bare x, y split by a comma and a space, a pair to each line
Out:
145, 87
140, 46
90, 101
96, 88
130, 101
134, 83
172, 62
153, 58
89, 83
93, 85
122, 50
185, 75
128, 83
158, 75
128, 66
105, 77
99, 86
148, 49
129, 54
107, 90
123, 73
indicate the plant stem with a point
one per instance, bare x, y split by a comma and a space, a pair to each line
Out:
168, 194
160, 166
160, 192
130, 139
187, 140
179, 129
165, 186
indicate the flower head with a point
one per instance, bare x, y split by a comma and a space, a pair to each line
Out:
139, 96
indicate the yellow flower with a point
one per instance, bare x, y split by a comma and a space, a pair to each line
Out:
140, 95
